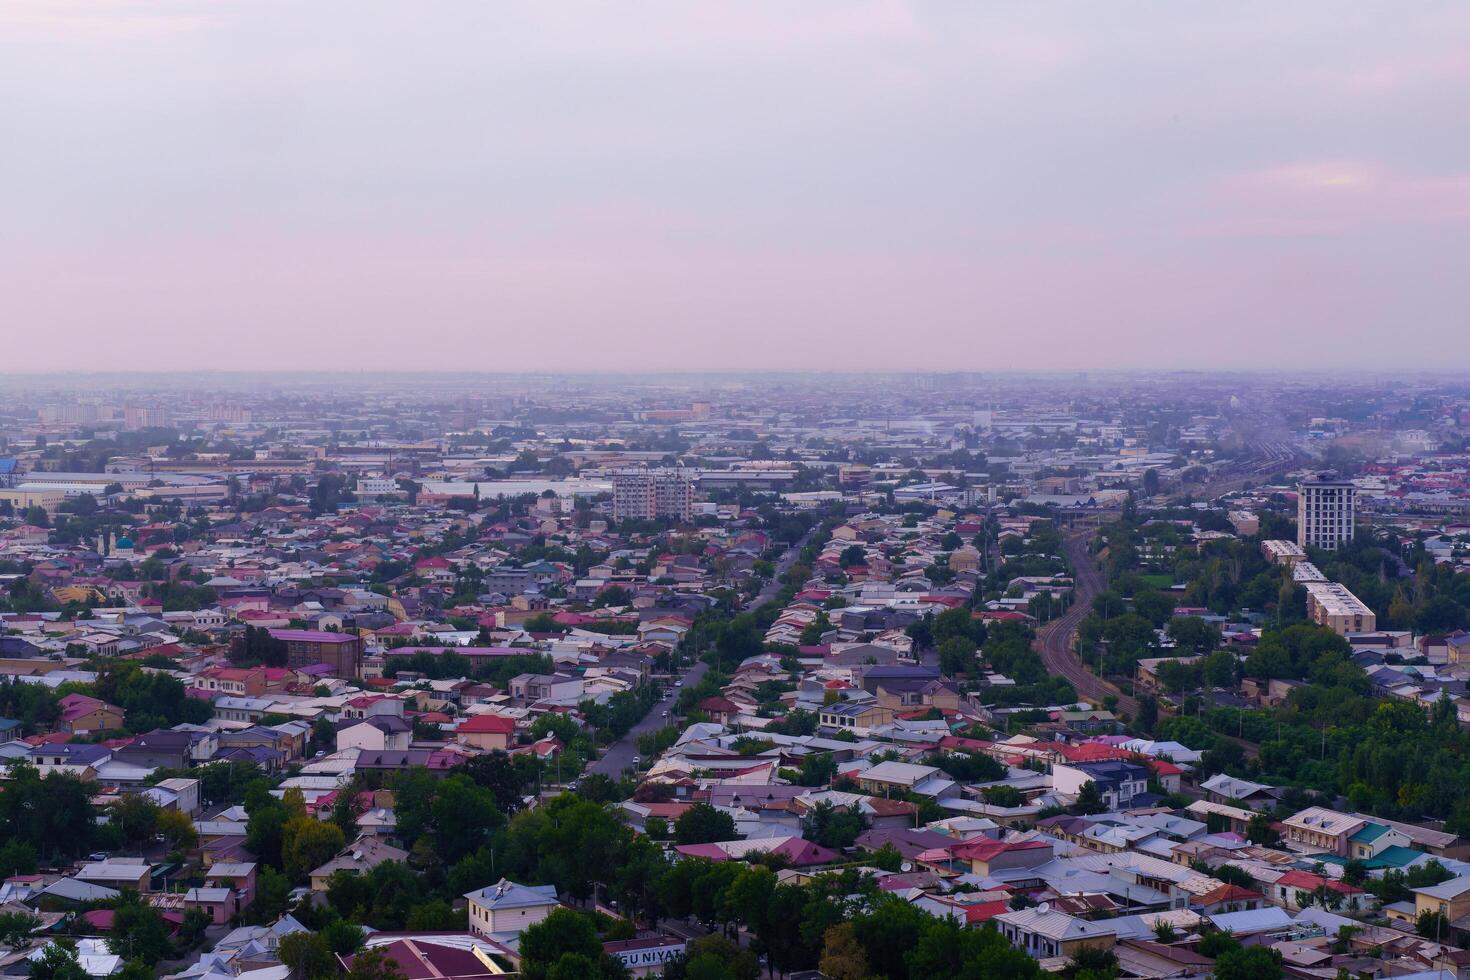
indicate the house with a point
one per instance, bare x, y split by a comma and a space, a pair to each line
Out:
220, 904
77, 756
505, 908
1449, 898
902, 777
380, 732
81, 715
986, 856
487, 732
721, 710
1044, 933
176, 794
1320, 829
1297, 890
237, 876
1117, 782
362, 855
796, 851
546, 687
117, 872
1221, 788
1372, 839
436, 956
162, 748
858, 717
1228, 898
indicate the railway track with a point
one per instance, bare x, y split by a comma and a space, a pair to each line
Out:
1056, 641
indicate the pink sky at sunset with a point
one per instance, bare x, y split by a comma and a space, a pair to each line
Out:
854, 186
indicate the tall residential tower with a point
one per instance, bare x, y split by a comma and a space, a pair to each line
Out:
1324, 512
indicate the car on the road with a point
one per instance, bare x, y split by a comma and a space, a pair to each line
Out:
666, 712
679, 683
637, 762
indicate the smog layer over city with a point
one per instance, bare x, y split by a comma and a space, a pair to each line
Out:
730, 491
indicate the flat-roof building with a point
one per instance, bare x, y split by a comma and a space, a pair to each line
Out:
1330, 604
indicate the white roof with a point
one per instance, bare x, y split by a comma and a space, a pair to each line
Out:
1266, 919
899, 772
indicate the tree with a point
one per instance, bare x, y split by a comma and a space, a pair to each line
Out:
565, 944
1192, 634
177, 829
307, 842
1433, 925
703, 824
714, 957
1259, 831
957, 656
16, 928
957, 622
949, 950
1154, 606
1150, 482
843, 957
1089, 800
1215, 944
343, 937
58, 961
1249, 963
17, 857
135, 817
464, 817
496, 771
307, 954
374, 964
138, 931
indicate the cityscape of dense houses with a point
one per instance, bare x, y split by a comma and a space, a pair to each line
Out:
320, 685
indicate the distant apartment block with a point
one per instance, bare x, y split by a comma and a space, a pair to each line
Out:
1324, 513
340, 651
1332, 605
647, 494
1246, 524
1279, 552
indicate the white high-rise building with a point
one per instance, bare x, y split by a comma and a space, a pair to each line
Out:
1325, 512
647, 494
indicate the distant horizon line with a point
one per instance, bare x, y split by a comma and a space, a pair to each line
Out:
446, 372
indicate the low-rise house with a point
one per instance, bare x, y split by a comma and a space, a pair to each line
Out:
858, 717
1320, 829
1449, 898
1044, 933
237, 876
502, 910
379, 732
117, 872
1117, 782
359, 857
487, 732
903, 777
1221, 788
220, 904
162, 748
81, 715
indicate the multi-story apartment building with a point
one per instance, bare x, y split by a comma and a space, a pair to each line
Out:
1330, 604
1324, 516
647, 494
340, 651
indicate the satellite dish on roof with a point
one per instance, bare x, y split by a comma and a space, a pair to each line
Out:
906, 867
1044, 907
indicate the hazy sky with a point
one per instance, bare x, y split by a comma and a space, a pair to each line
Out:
860, 185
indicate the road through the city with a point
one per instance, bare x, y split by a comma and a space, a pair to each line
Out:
619, 755
1055, 641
